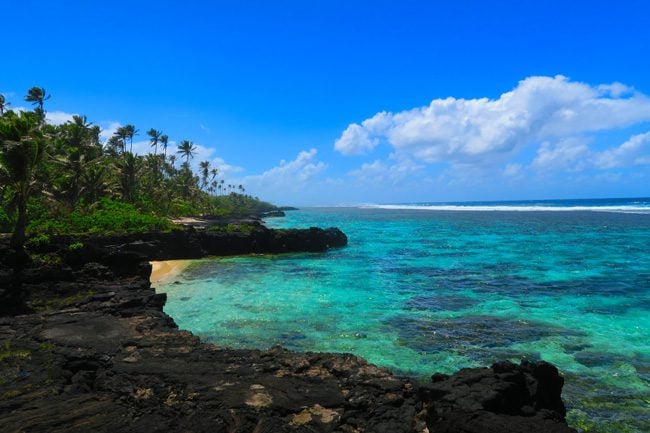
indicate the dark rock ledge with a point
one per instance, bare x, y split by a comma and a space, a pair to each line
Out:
96, 353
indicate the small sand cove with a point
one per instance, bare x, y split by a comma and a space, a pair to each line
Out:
161, 271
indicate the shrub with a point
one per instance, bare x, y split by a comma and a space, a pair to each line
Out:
107, 217
76, 246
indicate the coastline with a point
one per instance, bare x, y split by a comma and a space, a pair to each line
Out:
166, 269
99, 353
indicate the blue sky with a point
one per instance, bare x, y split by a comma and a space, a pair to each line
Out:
332, 102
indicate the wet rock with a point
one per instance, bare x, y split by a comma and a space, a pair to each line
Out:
504, 398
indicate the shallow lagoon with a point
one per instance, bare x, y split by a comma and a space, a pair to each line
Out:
421, 291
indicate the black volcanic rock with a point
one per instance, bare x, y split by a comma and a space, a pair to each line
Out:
522, 398
273, 214
97, 353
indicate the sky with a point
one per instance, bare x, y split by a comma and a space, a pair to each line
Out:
348, 102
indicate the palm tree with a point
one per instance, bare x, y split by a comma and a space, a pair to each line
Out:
37, 95
22, 145
128, 170
164, 140
113, 145
155, 138
187, 149
93, 181
205, 172
3, 104
130, 131
80, 146
121, 135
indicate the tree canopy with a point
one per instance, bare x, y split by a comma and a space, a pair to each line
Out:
55, 173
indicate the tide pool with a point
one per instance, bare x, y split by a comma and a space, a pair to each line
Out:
423, 291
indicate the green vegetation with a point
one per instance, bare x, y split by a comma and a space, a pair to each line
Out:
7, 353
64, 179
232, 228
51, 304
105, 216
75, 246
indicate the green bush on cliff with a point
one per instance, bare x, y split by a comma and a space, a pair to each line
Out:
108, 216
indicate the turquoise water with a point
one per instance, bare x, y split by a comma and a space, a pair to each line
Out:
423, 291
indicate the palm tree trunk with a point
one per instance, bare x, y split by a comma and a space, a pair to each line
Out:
17, 241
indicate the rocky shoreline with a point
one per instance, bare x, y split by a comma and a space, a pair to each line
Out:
92, 350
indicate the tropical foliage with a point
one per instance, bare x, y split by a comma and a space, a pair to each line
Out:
65, 179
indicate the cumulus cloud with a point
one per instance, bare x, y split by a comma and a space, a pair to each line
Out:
225, 169
288, 174
483, 131
378, 172
355, 140
58, 117
568, 154
635, 151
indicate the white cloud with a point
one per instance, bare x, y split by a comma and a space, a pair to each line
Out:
355, 140
225, 169
568, 154
141, 147
108, 128
58, 117
635, 151
378, 172
287, 176
370, 171
484, 131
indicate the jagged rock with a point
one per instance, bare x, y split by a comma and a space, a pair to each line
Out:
273, 214
522, 398
97, 353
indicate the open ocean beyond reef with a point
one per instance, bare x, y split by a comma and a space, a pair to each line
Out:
436, 287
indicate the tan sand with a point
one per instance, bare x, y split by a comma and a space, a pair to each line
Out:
162, 271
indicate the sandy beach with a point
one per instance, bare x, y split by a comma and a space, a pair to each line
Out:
164, 270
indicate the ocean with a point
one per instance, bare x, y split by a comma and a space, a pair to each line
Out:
434, 287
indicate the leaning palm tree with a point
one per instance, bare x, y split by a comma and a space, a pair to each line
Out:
187, 149
155, 138
3, 104
37, 95
22, 145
